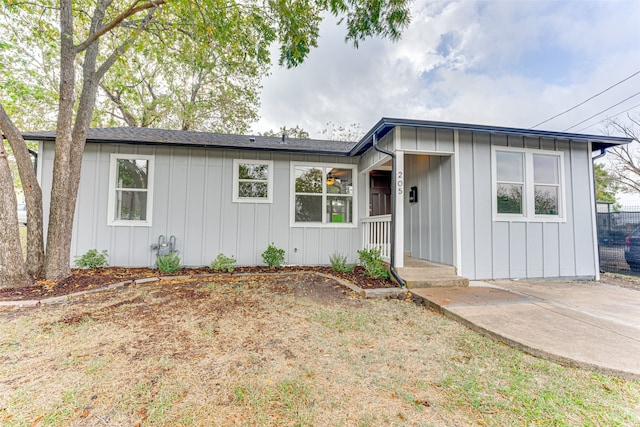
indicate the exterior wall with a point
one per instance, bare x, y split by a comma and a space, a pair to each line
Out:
192, 201
517, 249
373, 158
424, 140
428, 224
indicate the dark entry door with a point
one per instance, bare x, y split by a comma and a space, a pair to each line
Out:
380, 193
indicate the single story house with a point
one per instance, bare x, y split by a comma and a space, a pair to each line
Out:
494, 202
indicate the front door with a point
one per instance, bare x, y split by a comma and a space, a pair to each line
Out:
379, 193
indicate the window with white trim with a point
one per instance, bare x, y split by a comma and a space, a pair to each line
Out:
323, 194
528, 184
130, 189
252, 181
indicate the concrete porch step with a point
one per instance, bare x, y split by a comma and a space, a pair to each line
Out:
419, 273
436, 282
432, 270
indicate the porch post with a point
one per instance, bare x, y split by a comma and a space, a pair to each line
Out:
399, 210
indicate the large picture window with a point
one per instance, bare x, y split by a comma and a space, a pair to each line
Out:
252, 181
528, 184
130, 190
323, 195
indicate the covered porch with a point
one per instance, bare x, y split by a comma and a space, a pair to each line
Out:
423, 224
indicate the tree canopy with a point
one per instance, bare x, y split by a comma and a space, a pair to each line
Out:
64, 51
606, 186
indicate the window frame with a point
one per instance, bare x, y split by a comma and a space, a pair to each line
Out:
528, 199
236, 181
111, 203
324, 223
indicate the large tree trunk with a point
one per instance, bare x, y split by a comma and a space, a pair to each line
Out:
13, 272
32, 194
70, 142
57, 259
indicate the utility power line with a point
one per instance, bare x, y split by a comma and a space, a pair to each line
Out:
603, 111
587, 100
609, 117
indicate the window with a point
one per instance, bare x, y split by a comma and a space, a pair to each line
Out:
510, 181
252, 181
528, 184
130, 189
546, 184
323, 195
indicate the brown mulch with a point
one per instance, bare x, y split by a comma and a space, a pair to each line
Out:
83, 280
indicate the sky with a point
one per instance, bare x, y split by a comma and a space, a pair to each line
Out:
499, 62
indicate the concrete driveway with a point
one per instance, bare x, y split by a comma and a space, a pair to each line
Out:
592, 325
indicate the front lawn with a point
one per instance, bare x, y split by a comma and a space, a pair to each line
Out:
280, 351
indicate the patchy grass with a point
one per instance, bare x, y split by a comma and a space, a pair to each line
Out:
505, 387
274, 351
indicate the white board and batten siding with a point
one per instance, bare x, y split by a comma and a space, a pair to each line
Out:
192, 200
428, 165
494, 248
373, 158
428, 223
425, 140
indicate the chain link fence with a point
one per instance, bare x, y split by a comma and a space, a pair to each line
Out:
613, 228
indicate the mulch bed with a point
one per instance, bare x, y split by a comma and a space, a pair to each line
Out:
82, 280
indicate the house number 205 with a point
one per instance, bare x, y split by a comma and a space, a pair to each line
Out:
400, 182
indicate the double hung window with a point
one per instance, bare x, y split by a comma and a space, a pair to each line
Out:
130, 189
252, 181
323, 195
528, 184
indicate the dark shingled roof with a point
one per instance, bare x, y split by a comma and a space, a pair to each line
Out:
148, 136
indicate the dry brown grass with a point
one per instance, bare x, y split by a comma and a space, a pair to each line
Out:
296, 350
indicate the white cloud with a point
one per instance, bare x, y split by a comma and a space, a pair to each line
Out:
512, 63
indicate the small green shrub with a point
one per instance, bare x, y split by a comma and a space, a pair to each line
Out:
371, 260
339, 263
168, 263
223, 263
273, 256
92, 259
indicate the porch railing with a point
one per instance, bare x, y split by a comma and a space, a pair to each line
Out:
376, 233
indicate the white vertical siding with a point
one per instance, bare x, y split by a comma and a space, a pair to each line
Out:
501, 249
193, 201
372, 158
425, 140
428, 225
482, 211
467, 203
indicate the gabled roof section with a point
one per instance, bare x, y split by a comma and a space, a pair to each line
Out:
387, 124
148, 136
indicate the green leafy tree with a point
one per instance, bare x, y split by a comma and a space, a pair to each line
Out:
190, 83
606, 186
294, 132
91, 37
334, 132
331, 131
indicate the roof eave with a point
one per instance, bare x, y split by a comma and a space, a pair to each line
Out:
598, 141
283, 149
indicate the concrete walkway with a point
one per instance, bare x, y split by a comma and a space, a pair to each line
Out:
587, 324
